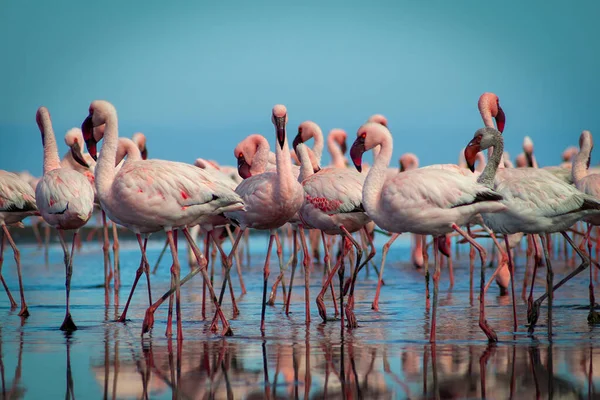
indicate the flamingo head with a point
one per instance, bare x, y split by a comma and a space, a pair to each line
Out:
521, 160
378, 118
140, 140
528, 150
484, 138
408, 161
74, 139
586, 140
489, 104
306, 131
279, 119
569, 153
42, 118
339, 136
369, 136
93, 126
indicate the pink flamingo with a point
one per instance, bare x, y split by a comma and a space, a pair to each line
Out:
332, 204
536, 202
147, 196
588, 183
65, 199
271, 198
426, 201
17, 202
336, 145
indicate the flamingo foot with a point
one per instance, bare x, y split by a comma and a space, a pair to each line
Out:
236, 310
122, 318
375, 305
593, 317
24, 312
321, 308
68, 325
489, 332
214, 327
227, 331
273, 294
533, 316
350, 317
148, 321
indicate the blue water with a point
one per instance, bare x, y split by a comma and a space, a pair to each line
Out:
387, 357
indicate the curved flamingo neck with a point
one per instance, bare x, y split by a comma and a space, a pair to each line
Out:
105, 167
488, 121
261, 157
494, 162
306, 168
377, 173
318, 145
285, 177
579, 169
127, 148
337, 157
51, 157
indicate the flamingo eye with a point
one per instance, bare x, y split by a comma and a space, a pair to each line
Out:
363, 135
240, 155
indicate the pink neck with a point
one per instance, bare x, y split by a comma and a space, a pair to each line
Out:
51, 157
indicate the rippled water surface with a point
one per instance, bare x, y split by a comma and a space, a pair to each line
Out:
387, 357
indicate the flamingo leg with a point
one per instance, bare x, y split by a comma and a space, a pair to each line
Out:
266, 281
116, 247
386, 248
511, 269
537, 262
294, 265
593, 316
327, 262
228, 263
13, 303
175, 271
238, 263
36, 232
426, 264
346, 246
160, 256
138, 274
306, 264
105, 247
350, 303
68, 324
436, 278
471, 267
483, 324
146, 264
204, 286
532, 316
279, 278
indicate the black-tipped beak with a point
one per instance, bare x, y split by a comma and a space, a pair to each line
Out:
145, 153
280, 128
529, 158
356, 152
500, 119
297, 141
471, 152
343, 147
243, 167
77, 156
402, 167
87, 128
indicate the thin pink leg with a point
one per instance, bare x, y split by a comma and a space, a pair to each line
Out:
107, 267
306, 265
266, 279
68, 324
386, 248
511, 269
13, 303
294, 265
327, 262
138, 274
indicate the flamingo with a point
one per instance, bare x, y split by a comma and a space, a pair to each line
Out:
65, 199
17, 202
588, 183
336, 145
271, 198
147, 196
74, 158
536, 202
140, 141
427, 201
332, 204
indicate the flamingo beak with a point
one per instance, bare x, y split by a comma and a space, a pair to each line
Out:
402, 167
471, 151
343, 147
529, 158
87, 128
77, 156
243, 167
145, 153
297, 140
500, 119
356, 152
280, 128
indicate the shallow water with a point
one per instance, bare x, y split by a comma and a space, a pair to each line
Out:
387, 357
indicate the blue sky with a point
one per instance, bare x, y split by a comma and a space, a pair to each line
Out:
197, 78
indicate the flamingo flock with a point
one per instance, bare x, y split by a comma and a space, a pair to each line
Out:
292, 196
